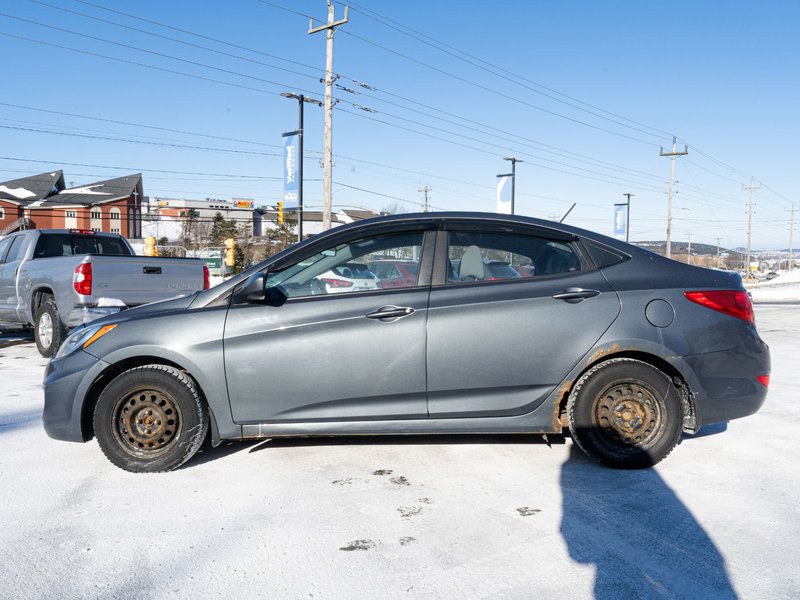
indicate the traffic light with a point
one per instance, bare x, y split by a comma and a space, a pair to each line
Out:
280, 213
229, 258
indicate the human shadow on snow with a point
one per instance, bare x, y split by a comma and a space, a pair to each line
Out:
641, 539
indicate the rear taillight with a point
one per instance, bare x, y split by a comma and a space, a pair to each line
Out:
82, 280
735, 303
336, 283
763, 380
206, 277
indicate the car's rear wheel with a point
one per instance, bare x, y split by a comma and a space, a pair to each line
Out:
625, 413
150, 419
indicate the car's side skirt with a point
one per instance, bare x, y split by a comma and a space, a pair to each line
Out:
539, 421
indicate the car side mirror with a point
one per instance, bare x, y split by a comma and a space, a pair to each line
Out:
252, 292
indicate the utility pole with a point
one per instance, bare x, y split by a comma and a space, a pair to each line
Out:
791, 234
628, 218
300, 100
750, 188
425, 190
689, 251
514, 162
718, 253
672, 156
327, 176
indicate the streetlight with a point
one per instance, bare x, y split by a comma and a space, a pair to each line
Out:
300, 100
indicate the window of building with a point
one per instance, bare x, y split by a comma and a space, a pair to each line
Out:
115, 230
71, 214
2, 213
96, 213
114, 216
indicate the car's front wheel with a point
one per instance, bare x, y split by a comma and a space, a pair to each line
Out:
625, 413
150, 418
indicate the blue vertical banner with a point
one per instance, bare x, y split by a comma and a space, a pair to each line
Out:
290, 170
504, 195
620, 220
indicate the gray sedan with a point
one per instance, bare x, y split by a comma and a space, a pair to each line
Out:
625, 348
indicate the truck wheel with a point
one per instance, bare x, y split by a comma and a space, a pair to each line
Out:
150, 419
48, 330
625, 413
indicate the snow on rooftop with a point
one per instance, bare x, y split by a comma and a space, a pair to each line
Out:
87, 189
20, 193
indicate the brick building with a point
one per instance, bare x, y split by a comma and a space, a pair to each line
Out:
44, 202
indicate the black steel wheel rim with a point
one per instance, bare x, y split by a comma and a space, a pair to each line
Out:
147, 422
629, 416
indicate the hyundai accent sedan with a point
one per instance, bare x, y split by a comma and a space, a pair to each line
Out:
624, 348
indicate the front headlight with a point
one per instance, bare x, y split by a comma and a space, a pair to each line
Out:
83, 338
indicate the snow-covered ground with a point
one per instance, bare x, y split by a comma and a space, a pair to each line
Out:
784, 288
425, 517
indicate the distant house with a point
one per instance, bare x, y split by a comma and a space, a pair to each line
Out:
44, 202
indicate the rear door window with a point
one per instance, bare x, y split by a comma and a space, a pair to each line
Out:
489, 256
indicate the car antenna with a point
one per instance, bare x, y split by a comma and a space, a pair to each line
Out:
569, 211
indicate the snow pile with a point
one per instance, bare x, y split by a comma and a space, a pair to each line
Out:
784, 288
164, 228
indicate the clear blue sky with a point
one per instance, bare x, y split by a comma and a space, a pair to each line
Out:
620, 78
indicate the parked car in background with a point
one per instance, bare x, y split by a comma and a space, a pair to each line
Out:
395, 273
349, 277
57, 279
624, 348
500, 270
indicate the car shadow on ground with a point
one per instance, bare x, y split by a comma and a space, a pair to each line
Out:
639, 536
409, 440
229, 447
13, 421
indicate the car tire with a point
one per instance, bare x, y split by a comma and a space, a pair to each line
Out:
150, 419
48, 330
625, 413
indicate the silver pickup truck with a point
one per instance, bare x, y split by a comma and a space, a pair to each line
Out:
56, 279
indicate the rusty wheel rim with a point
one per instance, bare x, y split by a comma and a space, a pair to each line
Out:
629, 415
147, 422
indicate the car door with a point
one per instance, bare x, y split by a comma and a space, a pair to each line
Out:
11, 251
306, 354
498, 346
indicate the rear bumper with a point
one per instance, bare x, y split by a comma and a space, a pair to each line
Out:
727, 385
84, 314
66, 383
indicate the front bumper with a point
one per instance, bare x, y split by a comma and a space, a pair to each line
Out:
66, 384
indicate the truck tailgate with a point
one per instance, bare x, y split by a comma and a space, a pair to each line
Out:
141, 279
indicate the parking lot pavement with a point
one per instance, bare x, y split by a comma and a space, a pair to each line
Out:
423, 517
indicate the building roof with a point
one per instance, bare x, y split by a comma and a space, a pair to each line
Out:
96, 193
30, 189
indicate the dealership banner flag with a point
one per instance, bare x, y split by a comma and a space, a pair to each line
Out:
290, 170
504, 195
620, 220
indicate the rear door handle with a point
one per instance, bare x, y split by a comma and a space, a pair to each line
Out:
390, 312
574, 295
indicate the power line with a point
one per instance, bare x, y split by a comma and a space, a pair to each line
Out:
133, 141
496, 92
493, 69
177, 41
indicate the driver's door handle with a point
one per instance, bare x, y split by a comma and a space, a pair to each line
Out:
574, 294
390, 312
